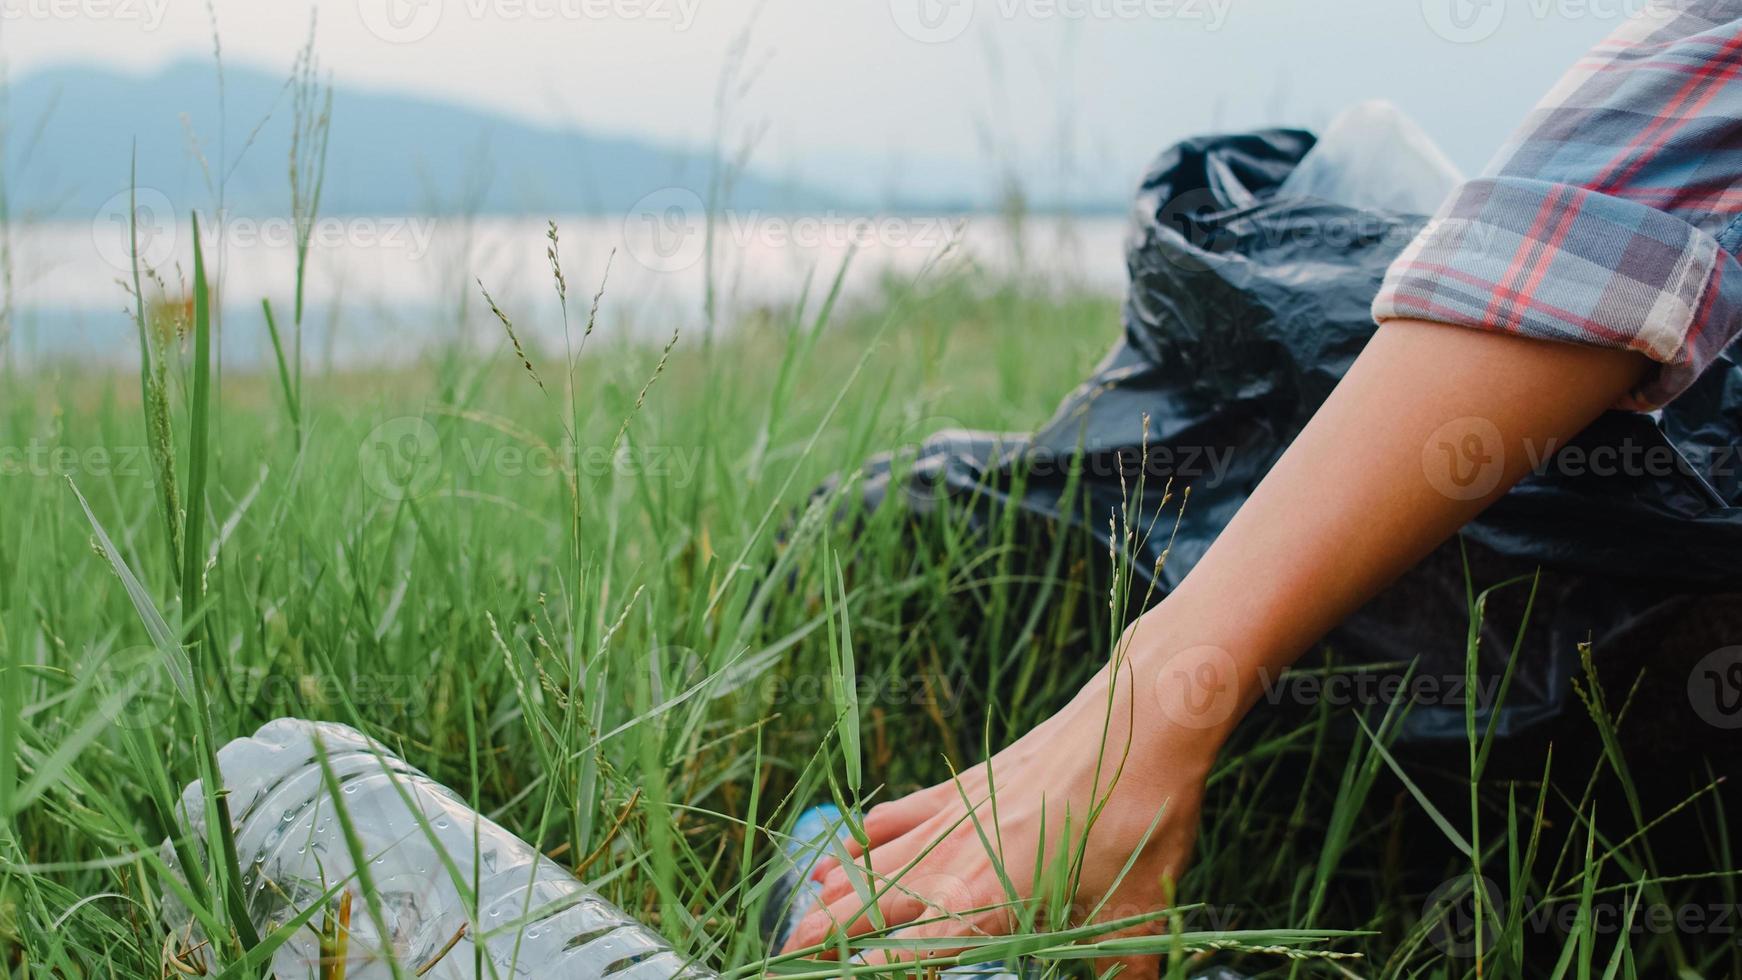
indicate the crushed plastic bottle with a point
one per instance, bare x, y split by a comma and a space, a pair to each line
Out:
534, 919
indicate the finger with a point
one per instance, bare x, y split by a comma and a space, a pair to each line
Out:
903, 902
849, 916
943, 936
883, 823
887, 862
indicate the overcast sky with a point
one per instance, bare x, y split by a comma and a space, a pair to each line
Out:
884, 92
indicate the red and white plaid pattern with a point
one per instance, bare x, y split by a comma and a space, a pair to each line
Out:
1613, 215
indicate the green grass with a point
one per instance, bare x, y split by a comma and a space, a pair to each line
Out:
590, 588
526, 639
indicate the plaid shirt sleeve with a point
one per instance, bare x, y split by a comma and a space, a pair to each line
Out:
1611, 217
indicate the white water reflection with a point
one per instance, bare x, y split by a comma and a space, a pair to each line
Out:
388, 287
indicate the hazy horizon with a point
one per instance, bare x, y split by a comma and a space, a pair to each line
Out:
1069, 97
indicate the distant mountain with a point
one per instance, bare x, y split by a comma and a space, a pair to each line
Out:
72, 130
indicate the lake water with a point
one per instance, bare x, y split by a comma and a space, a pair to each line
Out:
385, 288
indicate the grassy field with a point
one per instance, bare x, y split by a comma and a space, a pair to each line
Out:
591, 590
491, 604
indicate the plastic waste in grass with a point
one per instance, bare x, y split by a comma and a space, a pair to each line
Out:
794, 892
534, 918
1253, 261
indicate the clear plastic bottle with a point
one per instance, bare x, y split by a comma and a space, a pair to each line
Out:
534, 919
1372, 155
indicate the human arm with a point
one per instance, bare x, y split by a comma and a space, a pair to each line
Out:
1595, 266
1360, 496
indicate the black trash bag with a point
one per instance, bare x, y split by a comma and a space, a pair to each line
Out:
1244, 309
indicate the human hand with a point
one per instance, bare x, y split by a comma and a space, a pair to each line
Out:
1131, 750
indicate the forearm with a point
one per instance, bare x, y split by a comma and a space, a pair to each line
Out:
1430, 425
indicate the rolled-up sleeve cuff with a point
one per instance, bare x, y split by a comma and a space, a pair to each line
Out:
1559, 262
